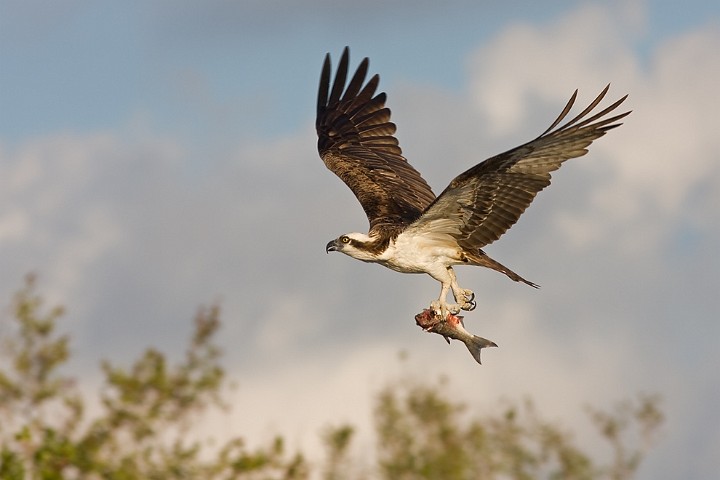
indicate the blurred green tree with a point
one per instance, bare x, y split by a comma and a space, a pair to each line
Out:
146, 412
144, 428
424, 435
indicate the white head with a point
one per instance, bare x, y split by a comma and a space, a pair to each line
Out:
356, 245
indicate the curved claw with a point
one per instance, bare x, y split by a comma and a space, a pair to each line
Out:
470, 306
471, 298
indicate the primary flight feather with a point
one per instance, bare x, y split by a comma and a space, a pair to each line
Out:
411, 230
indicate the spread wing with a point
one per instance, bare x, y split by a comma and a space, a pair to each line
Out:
482, 203
356, 142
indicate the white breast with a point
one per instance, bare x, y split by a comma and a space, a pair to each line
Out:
413, 252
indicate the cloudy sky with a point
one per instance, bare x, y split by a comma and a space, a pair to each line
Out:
157, 155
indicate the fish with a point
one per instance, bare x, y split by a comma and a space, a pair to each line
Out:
453, 327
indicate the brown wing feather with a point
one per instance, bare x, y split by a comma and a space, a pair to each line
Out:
482, 203
356, 142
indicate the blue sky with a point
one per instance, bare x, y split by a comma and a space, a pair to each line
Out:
159, 155
90, 65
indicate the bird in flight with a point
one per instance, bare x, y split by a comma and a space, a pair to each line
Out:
412, 230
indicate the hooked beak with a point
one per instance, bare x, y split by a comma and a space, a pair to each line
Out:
332, 246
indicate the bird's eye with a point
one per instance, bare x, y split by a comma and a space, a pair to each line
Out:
345, 239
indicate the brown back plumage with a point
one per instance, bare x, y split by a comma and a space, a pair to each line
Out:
482, 203
356, 142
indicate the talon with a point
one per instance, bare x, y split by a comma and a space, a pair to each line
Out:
469, 296
469, 306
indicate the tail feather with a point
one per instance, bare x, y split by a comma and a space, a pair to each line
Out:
482, 259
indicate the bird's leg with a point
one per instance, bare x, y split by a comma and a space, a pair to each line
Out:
464, 298
440, 307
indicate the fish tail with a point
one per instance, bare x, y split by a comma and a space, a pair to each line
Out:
475, 344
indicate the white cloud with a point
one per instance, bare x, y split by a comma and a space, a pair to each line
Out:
13, 225
527, 63
47, 225
648, 169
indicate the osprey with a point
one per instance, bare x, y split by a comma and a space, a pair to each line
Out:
412, 230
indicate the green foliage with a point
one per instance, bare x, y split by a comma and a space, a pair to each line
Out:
337, 443
143, 427
645, 416
425, 435
147, 411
